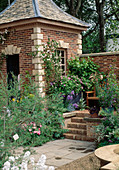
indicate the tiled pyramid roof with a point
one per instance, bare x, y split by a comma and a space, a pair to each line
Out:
24, 9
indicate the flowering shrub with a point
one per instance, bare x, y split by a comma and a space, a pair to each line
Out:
33, 129
22, 162
51, 61
67, 85
26, 118
108, 91
83, 68
108, 130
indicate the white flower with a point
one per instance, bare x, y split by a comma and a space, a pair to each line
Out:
6, 165
32, 161
41, 167
24, 165
51, 168
42, 160
11, 158
2, 144
26, 155
16, 137
8, 112
15, 168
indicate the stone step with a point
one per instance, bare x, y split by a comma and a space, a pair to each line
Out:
76, 125
83, 114
76, 131
78, 120
78, 137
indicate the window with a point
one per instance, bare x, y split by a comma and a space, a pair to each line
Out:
62, 54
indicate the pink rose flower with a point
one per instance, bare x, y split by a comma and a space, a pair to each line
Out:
38, 132
30, 130
40, 125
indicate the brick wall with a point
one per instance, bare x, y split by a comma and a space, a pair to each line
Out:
105, 60
21, 39
70, 38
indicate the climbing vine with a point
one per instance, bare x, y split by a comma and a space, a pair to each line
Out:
3, 36
51, 61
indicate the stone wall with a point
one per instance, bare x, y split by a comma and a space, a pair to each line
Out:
105, 60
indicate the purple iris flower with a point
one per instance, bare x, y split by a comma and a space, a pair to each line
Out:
72, 92
51, 83
75, 105
69, 97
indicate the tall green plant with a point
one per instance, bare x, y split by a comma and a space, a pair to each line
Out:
83, 68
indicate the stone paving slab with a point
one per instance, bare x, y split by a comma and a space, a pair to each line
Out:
61, 152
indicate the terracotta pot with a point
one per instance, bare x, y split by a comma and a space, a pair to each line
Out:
94, 115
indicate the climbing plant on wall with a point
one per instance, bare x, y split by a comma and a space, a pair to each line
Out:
3, 36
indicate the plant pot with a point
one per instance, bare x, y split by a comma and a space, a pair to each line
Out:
94, 115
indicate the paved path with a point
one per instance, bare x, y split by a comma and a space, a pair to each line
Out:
61, 152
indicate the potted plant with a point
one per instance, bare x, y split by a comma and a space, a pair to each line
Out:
94, 112
108, 91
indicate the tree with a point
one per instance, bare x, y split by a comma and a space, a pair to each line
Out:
99, 13
4, 4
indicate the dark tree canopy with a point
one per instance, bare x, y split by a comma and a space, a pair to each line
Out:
103, 15
4, 4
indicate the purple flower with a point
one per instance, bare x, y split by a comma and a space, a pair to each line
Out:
69, 78
63, 95
75, 105
64, 85
72, 92
69, 97
51, 84
110, 140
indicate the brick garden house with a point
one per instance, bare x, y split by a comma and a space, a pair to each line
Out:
31, 23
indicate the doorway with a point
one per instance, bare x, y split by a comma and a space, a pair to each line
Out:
12, 67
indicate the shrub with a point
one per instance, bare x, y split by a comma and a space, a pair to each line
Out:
108, 91
83, 68
108, 130
69, 87
26, 115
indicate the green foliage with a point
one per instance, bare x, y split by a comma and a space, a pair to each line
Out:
108, 130
83, 68
3, 36
91, 43
82, 104
51, 61
23, 112
99, 14
1, 59
66, 85
108, 90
